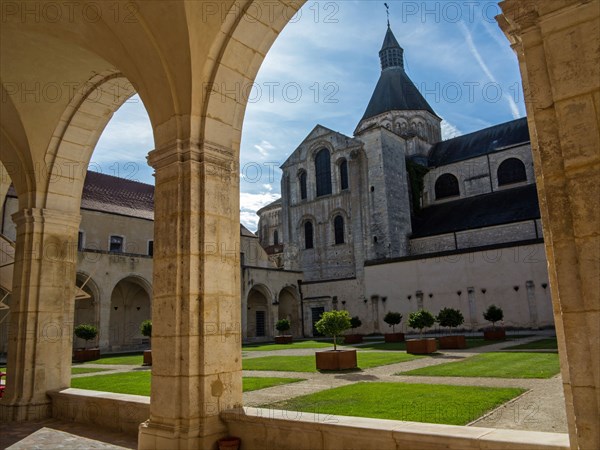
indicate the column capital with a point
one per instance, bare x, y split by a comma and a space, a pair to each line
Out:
181, 151
46, 216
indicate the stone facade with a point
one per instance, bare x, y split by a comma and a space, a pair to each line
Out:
396, 219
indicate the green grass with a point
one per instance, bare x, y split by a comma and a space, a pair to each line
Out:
433, 403
256, 383
80, 370
138, 383
542, 344
294, 345
496, 365
307, 363
128, 360
471, 343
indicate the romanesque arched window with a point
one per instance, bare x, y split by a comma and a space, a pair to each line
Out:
308, 235
275, 237
303, 190
512, 170
338, 227
446, 186
323, 172
344, 175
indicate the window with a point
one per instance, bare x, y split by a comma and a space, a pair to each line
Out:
303, 186
275, 237
344, 175
512, 170
308, 235
116, 244
446, 186
80, 241
150, 248
323, 170
338, 226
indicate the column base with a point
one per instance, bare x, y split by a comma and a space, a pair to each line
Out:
24, 413
158, 436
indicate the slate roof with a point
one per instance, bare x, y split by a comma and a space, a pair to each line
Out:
395, 92
106, 193
480, 142
497, 208
390, 40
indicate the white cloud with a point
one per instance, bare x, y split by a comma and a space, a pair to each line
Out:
449, 131
250, 203
475, 52
264, 147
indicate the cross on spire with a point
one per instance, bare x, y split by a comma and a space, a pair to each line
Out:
387, 10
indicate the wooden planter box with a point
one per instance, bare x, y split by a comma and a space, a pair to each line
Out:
147, 357
287, 339
497, 334
458, 341
83, 355
421, 346
394, 337
336, 360
353, 339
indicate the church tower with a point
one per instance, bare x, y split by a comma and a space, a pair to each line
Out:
397, 104
398, 124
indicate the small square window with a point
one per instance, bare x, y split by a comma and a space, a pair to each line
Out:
116, 244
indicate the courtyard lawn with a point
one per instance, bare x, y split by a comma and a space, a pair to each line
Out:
80, 370
138, 383
294, 345
432, 403
542, 344
127, 360
387, 346
496, 365
307, 363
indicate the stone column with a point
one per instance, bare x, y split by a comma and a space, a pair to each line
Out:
557, 45
196, 334
532, 303
41, 318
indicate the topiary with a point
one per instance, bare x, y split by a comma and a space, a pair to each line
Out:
393, 319
493, 314
333, 323
86, 332
449, 317
421, 319
283, 325
146, 328
355, 322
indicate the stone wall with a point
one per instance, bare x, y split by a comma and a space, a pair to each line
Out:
514, 278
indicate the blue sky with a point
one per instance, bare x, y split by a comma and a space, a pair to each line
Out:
323, 68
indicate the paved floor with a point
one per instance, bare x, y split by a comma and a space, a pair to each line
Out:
541, 408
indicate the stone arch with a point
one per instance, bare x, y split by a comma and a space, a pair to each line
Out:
77, 134
289, 308
87, 310
130, 305
258, 324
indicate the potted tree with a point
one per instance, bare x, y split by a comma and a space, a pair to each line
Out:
354, 338
86, 332
333, 324
419, 320
494, 314
451, 318
146, 330
393, 319
282, 326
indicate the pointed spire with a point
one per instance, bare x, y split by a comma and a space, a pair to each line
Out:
391, 54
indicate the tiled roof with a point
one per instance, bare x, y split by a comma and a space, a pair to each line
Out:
480, 142
497, 208
106, 193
